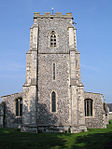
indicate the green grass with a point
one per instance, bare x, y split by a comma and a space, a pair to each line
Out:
93, 139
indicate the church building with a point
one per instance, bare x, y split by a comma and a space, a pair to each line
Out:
53, 97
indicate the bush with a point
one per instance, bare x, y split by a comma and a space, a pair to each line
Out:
69, 130
110, 121
109, 126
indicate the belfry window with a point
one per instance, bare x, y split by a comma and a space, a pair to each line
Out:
54, 69
88, 105
53, 39
53, 102
19, 107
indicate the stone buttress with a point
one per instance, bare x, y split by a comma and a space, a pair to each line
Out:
30, 86
76, 87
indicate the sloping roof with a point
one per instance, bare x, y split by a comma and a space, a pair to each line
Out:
110, 106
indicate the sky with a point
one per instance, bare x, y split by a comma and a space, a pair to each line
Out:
94, 41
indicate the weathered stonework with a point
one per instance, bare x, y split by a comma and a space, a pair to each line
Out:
10, 118
1, 114
98, 120
37, 115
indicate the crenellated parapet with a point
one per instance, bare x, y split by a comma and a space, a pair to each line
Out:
56, 15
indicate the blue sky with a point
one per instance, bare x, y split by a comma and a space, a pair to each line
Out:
94, 41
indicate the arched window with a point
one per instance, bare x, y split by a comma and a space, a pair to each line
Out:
53, 39
19, 107
88, 105
53, 102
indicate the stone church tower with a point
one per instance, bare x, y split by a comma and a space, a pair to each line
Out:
53, 92
53, 97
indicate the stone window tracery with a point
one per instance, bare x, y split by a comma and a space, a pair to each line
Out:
53, 101
88, 105
53, 39
19, 105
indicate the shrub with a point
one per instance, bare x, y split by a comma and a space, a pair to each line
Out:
69, 130
110, 121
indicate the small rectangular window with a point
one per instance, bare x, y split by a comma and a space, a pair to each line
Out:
54, 71
18, 107
17, 112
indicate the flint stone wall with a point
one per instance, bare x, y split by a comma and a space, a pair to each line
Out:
10, 118
98, 120
1, 114
60, 26
46, 85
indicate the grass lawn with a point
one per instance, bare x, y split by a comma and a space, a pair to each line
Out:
93, 139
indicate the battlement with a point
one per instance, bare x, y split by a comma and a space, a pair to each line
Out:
49, 15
